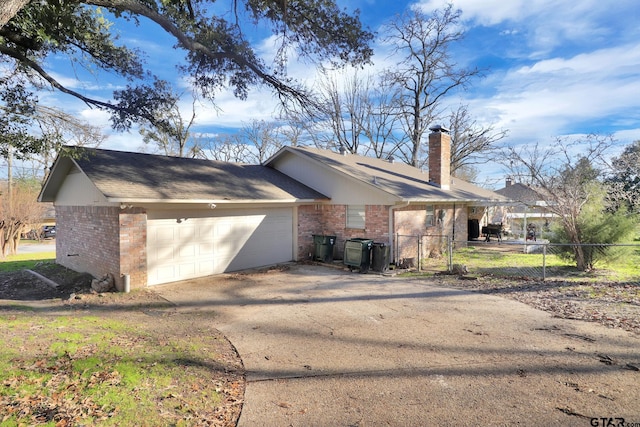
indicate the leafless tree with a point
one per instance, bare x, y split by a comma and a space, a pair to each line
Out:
174, 136
334, 120
225, 147
355, 112
55, 129
380, 126
19, 209
565, 175
467, 173
471, 143
426, 72
62, 128
262, 140
292, 133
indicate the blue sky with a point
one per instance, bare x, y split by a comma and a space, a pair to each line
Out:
553, 68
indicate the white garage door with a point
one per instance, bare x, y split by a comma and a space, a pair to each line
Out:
184, 245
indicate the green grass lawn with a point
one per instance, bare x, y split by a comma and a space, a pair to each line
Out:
109, 369
89, 370
22, 261
481, 260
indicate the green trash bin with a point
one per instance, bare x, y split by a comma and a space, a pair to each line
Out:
357, 254
380, 257
323, 247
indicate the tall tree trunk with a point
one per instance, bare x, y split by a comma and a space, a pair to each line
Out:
578, 251
9, 8
416, 132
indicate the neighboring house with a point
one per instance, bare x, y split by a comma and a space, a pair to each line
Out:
161, 219
528, 212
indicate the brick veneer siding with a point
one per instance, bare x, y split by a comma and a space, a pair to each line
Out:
331, 220
439, 159
100, 240
410, 225
87, 239
133, 246
310, 222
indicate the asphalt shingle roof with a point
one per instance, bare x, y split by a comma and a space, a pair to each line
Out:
520, 192
128, 175
397, 178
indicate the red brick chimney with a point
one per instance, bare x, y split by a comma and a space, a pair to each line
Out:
440, 157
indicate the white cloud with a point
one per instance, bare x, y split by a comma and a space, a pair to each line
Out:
548, 24
563, 96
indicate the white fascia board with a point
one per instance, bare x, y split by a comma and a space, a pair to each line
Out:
475, 202
208, 201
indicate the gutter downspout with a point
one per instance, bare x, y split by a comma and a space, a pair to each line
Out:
391, 230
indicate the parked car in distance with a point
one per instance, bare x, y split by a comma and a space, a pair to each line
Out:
49, 231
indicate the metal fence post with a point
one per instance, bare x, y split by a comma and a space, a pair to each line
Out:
419, 253
450, 249
544, 262
396, 258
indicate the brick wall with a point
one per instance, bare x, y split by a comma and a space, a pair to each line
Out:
440, 159
87, 239
410, 225
133, 246
310, 222
100, 240
331, 220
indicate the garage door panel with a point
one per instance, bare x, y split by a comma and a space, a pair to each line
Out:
205, 249
268, 239
164, 234
188, 251
187, 270
231, 240
167, 271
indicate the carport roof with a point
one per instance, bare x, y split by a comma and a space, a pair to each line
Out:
127, 176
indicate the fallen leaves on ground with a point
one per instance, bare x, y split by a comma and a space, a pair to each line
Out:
615, 305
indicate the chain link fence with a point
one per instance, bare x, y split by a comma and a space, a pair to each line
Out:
423, 252
519, 259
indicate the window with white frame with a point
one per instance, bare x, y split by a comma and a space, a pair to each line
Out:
356, 216
430, 216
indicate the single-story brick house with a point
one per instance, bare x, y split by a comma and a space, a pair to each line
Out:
160, 219
381, 199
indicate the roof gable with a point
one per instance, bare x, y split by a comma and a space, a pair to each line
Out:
128, 176
521, 193
399, 180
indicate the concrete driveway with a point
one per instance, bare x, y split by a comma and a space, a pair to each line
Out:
48, 245
322, 346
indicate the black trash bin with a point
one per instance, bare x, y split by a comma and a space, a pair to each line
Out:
357, 254
380, 257
323, 247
